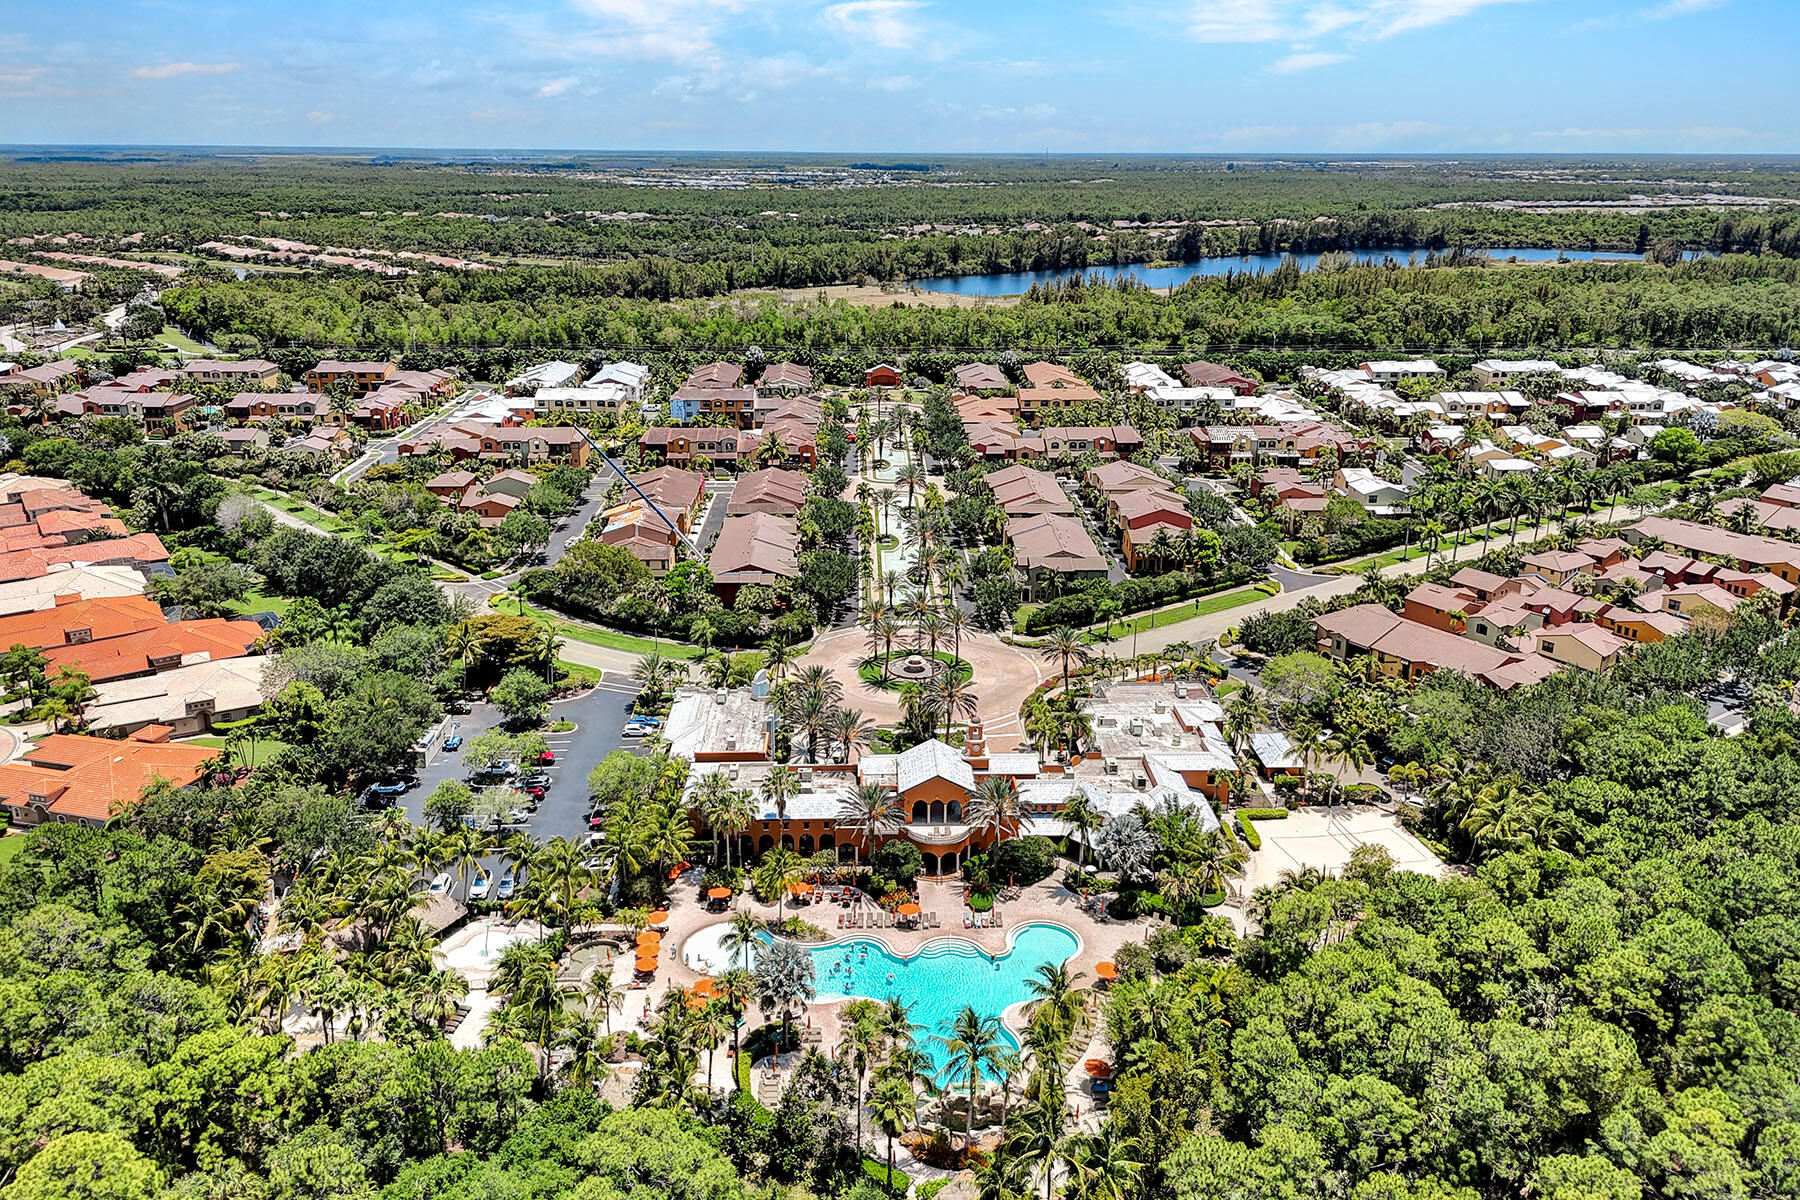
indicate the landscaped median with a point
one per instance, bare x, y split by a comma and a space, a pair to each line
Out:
597, 637
1248, 817
888, 671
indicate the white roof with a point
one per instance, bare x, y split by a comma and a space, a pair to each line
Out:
1518, 365
1510, 465
934, 760
1014, 764
1411, 366
163, 698
1273, 750
549, 374
1144, 375
628, 373
67, 579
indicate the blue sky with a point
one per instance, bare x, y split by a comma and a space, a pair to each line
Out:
906, 75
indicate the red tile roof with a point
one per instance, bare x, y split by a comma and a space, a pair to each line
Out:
73, 775
180, 643
87, 620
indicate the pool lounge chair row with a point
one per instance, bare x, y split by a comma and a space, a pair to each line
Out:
987, 920
880, 919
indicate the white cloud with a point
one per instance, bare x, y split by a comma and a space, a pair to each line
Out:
1305, 60
889, 24
677, 30
175, 70
1287, 20
321, 117
556, 87
1679, 8
893, 83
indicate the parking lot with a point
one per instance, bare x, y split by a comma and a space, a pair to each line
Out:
598, 715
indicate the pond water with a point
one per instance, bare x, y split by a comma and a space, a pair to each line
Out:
1011, 284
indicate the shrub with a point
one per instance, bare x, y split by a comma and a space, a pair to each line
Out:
1252, 838
981, 902
1023, 861
1263, 814
899, 1183
898, 860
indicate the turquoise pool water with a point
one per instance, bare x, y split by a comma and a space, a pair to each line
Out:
945, 975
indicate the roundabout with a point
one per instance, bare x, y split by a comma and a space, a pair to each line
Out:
888, 671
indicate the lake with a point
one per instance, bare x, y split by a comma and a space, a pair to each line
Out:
1013, 283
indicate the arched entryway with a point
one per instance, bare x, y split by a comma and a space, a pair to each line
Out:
806, 843
930, 862
766, 844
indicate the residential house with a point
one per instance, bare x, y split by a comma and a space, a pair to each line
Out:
1750, 551
1445, 608
633, 377
245, 373
676, 492
1140, 377
1023, 491
1411, 650
140, 408
796, 442
139, 550
980, 377
882, 375
553, 374
1205, 374
1144, 517
1557, 567
185, 701
147, 651
756, 548
717, 376
1392, 372
546, 443
1690, 599
276, 406
85, 780
785, 378
736, 403
559, 403
1107, 441
451, 485
359, 378
1494, 372
45, 380
1585, 645
1189, 402
775, 491
716, 448
1375, 494
1642, 627
1051, 551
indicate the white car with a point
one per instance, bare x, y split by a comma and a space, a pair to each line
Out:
506, 885
441, 884
484, 883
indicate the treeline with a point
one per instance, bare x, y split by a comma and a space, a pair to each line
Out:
1735, 301
988, 216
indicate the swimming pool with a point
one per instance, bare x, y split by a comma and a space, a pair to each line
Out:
945, 975
706, 953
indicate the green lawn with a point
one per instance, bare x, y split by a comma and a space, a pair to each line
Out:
599, 637
176, 340
10, 848
255, 602
1204, 606
260, 750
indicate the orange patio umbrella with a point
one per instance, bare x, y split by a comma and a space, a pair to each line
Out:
1098, 1069
658, 917
799, 889
646, 964
676, 870
651, 939
703, 986
909, 909
718, 893
1106, 970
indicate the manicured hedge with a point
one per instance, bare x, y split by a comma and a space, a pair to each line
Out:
1263, 814
899, 1183
1251, 838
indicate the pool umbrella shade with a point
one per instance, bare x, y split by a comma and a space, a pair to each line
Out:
718, 893
1106, 970
1098, 1069
908, 909
703, 987
799, 889
647, 964
651, 940
658, 917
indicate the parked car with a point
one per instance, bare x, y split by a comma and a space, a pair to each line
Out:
507, 882
547, 757
535, 790
440, 884
484, 883
637, 731
519, 816
536, 779
396, 787
645, 719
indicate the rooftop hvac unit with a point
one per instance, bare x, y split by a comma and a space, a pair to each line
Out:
1112, 766
731, 741
719, 696
1181, 692
1140, 781
1162, 706
1136, 728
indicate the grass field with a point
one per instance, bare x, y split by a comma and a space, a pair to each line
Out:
598, 637
177, 340
1204, 606
259, 751
10, 848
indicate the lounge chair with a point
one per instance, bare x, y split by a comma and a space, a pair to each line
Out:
997, 921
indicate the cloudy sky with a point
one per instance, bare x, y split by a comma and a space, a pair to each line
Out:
897, 75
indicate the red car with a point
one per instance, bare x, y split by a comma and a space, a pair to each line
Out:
548, 756
535, 791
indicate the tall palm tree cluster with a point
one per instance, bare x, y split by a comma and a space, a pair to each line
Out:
811, 703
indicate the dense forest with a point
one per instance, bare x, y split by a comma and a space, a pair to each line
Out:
1736, 301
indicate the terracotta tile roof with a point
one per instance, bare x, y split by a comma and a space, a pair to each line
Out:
755, 548
716, 375
1048, 540
671, 487
979, 375
1124, 476
1053, 375
29, 564
86, 620
180, 643
787, 373
1442, 599
74, 775
1021, 490
773, 490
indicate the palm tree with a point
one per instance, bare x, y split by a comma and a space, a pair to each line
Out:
589, 1050
602, 993
741, 936
1064, 645
972, 1043
1101, 1166
893, 1107
559, 868
850, 730
779, 786
861, 1043
1037, 1139
710, 1027
734, 989
782, 979
1128, 846
1056, 999
995, 806
464, 849
872, 812
778, 656
780, 869
1083, 818
952, 694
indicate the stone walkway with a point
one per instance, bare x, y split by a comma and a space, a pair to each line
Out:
1003, 677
